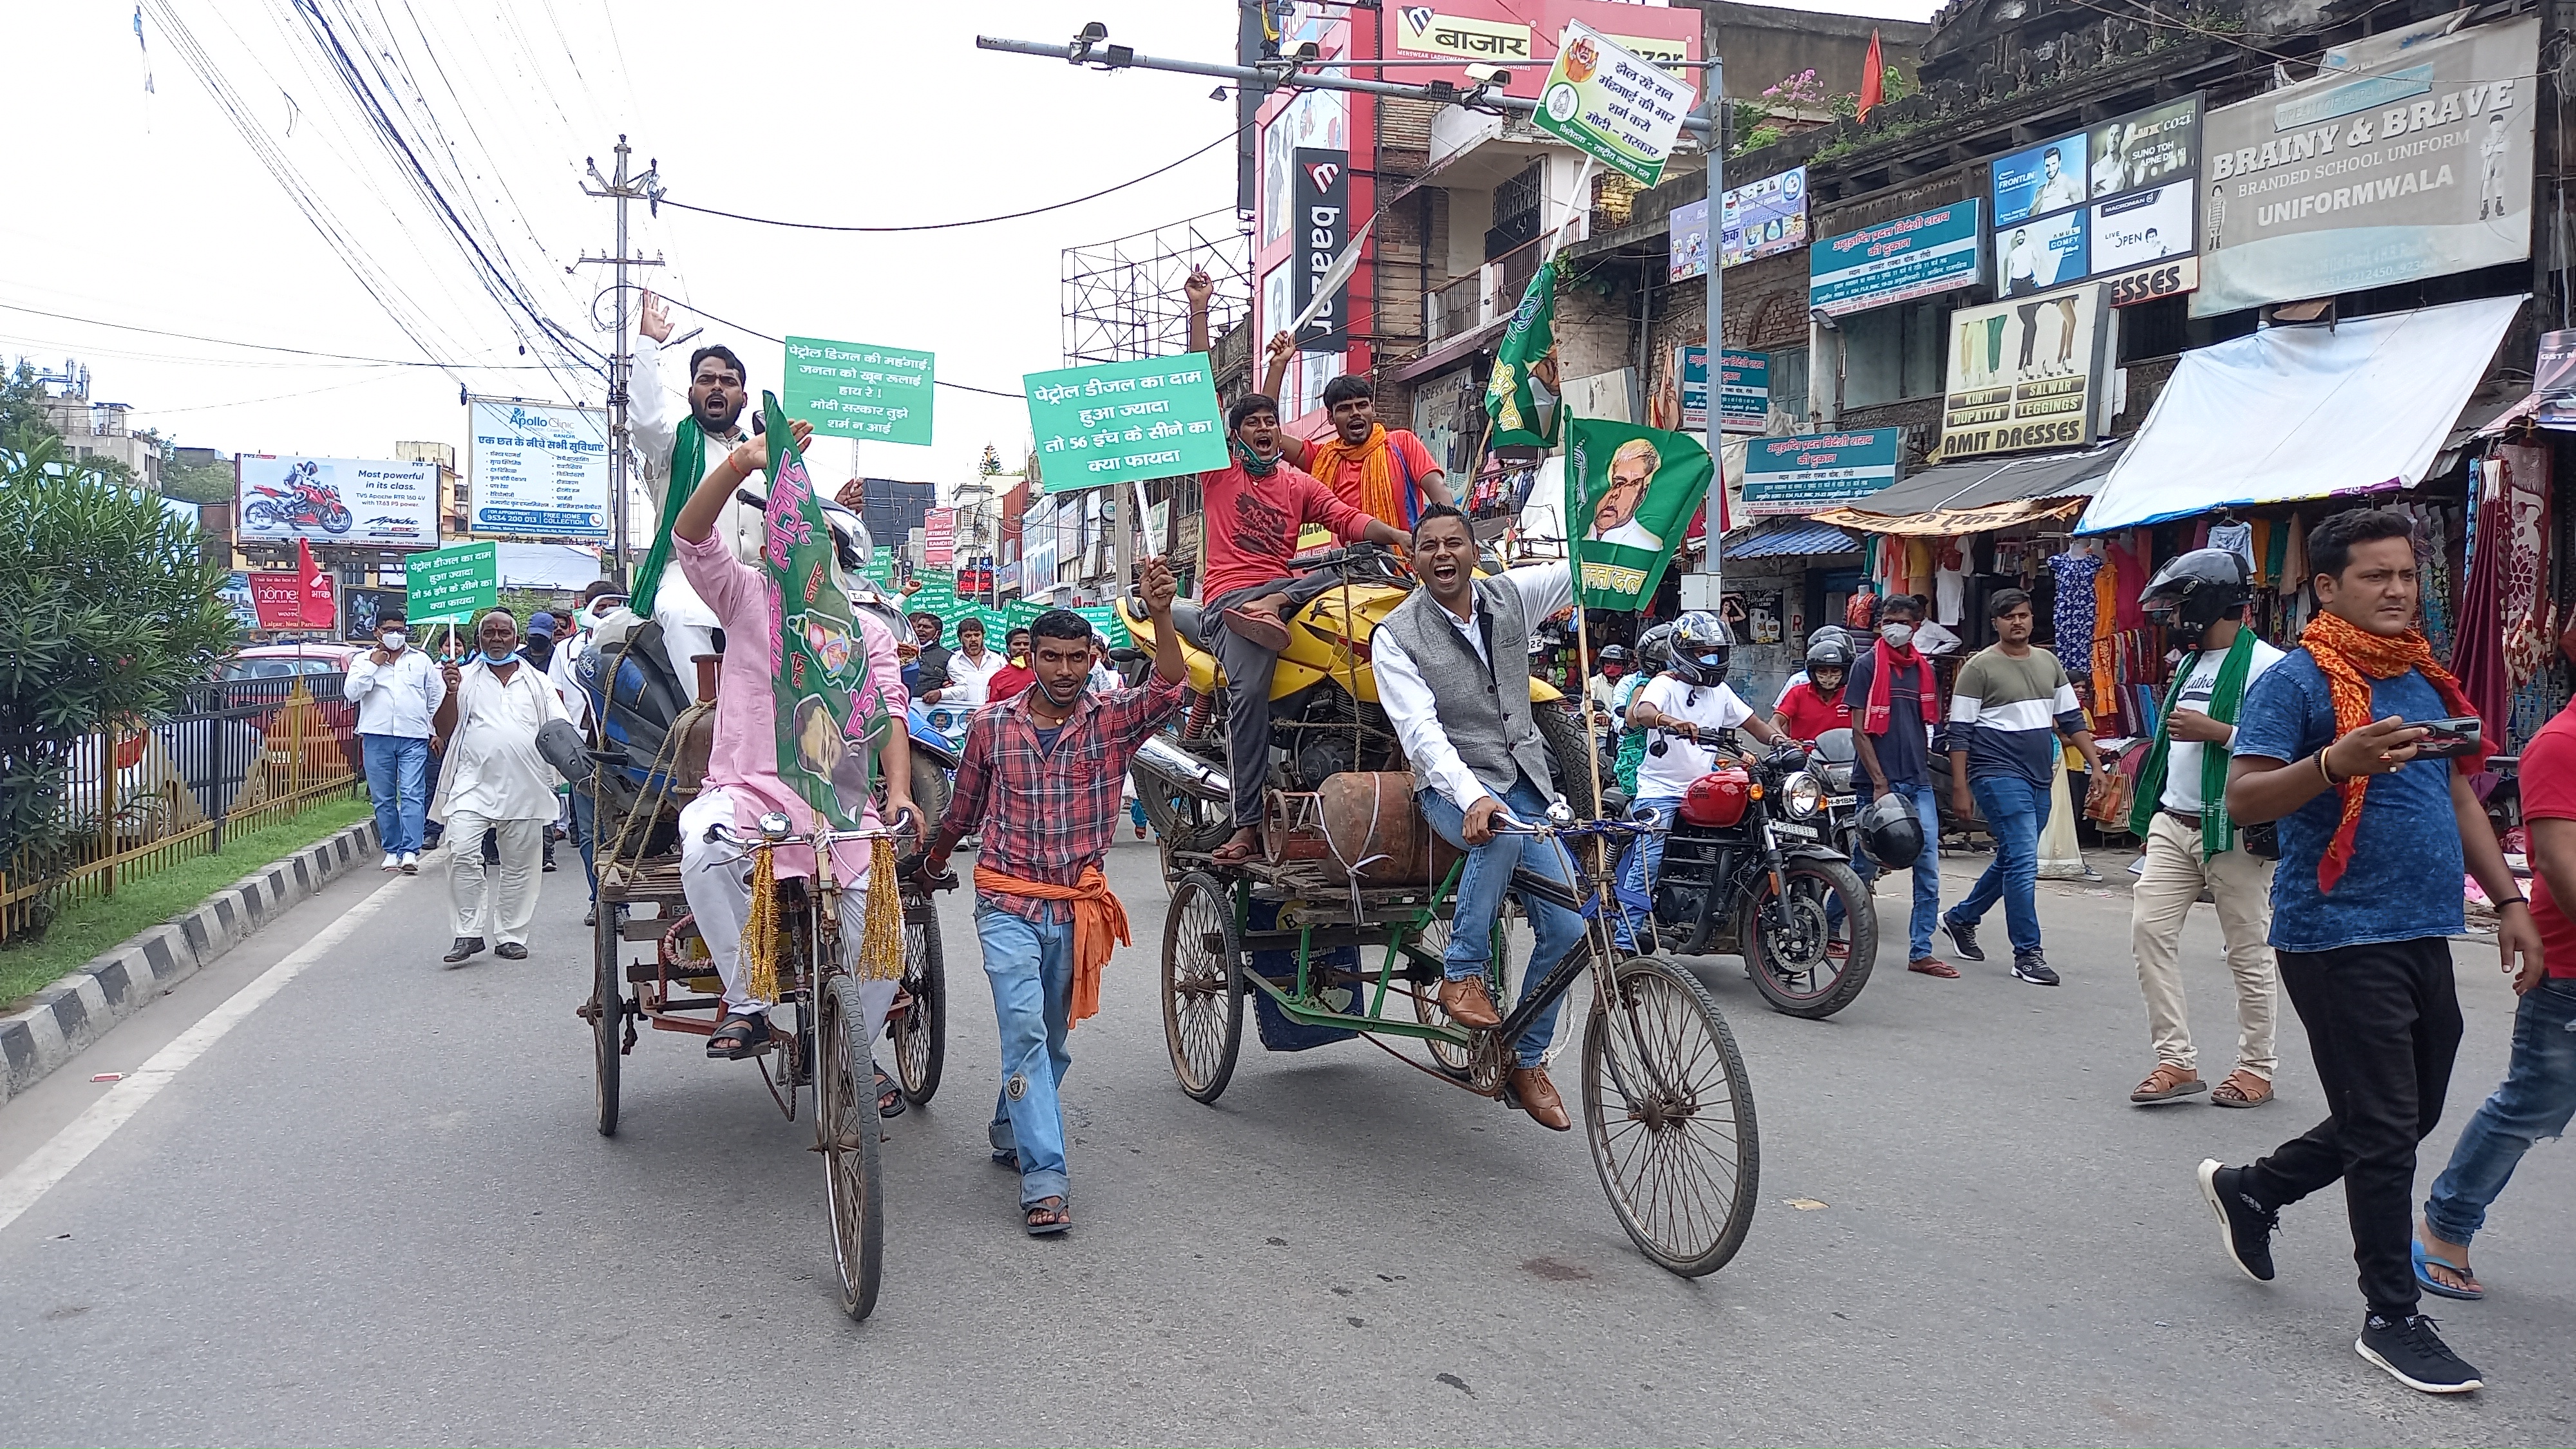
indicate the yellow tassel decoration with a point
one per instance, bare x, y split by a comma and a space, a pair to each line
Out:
760, 932
881, 947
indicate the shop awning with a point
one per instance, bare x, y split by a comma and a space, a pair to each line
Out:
1777, 541
1978, 482
1952, 522
2304, 412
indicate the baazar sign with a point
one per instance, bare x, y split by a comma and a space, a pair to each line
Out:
1321, 192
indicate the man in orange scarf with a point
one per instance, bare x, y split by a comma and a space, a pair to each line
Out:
2376, 823
1039, 774
1383, 472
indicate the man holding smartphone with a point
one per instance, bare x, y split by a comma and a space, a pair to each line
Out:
2367, 893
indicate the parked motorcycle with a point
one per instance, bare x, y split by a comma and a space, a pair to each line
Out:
1324, 710
1755, 865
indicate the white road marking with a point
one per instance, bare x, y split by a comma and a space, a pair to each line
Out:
51, 1163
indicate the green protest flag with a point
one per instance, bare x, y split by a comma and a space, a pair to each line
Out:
1629, 496
1532, 332
821, 654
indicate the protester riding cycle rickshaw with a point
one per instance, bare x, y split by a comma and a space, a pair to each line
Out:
1338, 928
649, 761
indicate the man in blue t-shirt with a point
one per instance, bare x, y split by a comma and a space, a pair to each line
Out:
1894, 699
2362, 904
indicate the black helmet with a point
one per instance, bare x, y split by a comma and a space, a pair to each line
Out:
1655, 648
2195, 590
1833, 652
1823, 632
1895, 836
1702, 647
1612, 654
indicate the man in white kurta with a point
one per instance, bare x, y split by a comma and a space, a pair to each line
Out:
715, 392
498, 782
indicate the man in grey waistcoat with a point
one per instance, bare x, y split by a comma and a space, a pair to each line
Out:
1452, 665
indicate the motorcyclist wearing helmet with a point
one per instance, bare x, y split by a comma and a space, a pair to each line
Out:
2191, 846
1815, 705
1608, 667
1690, 704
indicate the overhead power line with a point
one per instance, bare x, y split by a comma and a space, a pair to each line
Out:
953, 225
273, 347
765, 337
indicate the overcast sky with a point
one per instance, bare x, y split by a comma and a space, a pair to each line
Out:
154, 210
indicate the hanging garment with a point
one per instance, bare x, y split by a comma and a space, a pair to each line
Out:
2294, 560
2478, 654
2530, 616
1950, 583
2075, 609
2236, 538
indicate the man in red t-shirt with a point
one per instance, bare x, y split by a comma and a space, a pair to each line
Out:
2538, 1096
1816, 705
1015, 676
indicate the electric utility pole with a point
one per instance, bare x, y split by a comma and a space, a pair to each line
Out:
1704, 587
621, 363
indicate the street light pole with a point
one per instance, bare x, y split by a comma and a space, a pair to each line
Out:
1703, 587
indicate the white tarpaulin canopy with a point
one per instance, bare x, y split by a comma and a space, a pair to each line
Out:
2304, 412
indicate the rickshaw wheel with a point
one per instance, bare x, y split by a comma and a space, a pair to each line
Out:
921, 1033
846, 1124
607, 1017
1459, 1062
1668, 1113
1202, 985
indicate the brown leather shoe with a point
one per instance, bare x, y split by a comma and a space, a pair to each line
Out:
1539, 1099
1468, 1005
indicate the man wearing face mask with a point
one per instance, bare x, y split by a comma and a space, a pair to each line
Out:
490, 717
1894, 700
397, 691
695, 444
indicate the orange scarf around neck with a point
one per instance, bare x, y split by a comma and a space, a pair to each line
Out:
1099, 927
1381, 493
2351, 657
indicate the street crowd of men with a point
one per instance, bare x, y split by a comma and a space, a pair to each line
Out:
2319, 797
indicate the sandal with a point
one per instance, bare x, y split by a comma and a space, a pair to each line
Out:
739, 1035
2241, 1089
1257, 627
1043, 1219
1237, 852
2167, 1083
2425, 1262
889, 1096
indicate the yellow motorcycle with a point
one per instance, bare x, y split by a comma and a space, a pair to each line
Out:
1324, 711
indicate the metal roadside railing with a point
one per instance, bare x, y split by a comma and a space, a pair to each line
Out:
241, 754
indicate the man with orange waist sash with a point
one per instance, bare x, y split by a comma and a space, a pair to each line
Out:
1039, 775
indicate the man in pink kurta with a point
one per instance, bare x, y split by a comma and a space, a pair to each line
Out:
742, 784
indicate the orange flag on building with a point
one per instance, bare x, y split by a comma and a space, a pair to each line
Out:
1873, 79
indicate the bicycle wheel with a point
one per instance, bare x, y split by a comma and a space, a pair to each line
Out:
607, 1017
1202, 985
1458, 1061
846, 1124
1791, 943
1668, 1112
921, 1033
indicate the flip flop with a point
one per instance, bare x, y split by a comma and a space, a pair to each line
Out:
1257, 626
2431, 1284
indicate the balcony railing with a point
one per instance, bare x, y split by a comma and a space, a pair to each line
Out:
1491, 291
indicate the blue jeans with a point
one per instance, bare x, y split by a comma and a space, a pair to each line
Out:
1481, 884
1031, 969
585, 834
2535, 1101
2016, 811
398, 781
1643, 864
1927, 869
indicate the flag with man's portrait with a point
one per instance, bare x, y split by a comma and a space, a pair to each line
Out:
1630, 492
1509, 402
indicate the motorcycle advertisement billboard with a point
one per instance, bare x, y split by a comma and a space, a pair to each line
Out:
375, 501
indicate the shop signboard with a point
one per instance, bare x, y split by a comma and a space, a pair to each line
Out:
860, 390
2119, 202
453, 585
277, 597
380, 502
360, 609
2412, 160
1743, 394
1321, 192
1799, 475
939, 538
1490, 32
1687, 251
1897, 261
2026, 373
538, 470
1764, 219
1612, 104
1153, 417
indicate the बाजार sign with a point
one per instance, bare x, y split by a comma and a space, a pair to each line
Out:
1155, 417
1803, 474
453, 585
860, 390
1613, 104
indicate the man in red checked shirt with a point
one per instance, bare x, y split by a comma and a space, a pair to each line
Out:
1040, 775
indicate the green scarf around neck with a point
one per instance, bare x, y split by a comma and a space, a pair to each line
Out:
689, 463
2217, 831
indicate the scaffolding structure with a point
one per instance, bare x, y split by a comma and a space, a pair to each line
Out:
1123, 300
